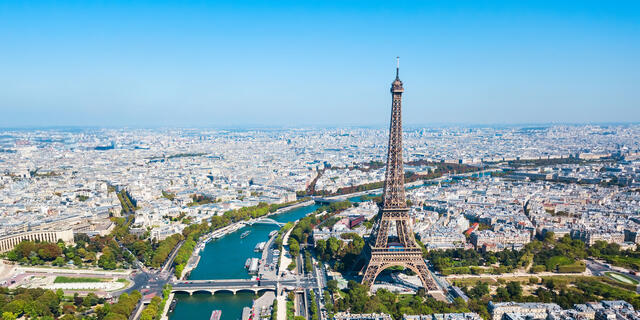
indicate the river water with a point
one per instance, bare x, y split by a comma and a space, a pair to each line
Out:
224, 259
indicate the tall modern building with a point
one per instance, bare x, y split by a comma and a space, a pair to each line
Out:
392, 241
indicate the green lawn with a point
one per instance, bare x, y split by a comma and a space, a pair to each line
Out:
61, 279
621, 277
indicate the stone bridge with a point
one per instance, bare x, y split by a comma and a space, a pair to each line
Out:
235, 285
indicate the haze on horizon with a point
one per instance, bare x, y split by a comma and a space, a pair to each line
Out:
320, 63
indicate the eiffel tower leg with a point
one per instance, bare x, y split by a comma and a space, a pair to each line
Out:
422, 271
371, 273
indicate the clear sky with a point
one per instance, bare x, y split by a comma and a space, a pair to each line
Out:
317, 63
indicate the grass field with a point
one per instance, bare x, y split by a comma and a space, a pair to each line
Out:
621, 277
61, 279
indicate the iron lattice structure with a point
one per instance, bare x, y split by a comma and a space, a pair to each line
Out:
403, 251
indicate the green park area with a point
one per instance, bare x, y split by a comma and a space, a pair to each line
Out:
62, 279
621, 277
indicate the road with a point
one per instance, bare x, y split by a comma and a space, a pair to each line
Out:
301, 309
300, 264
599, 268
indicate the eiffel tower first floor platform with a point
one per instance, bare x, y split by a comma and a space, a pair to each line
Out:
383, 258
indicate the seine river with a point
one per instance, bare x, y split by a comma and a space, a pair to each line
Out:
224, 259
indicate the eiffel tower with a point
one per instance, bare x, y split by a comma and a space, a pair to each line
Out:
401, 248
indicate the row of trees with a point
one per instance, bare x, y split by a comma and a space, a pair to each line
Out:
191, 235
612, 254
564, 291
36, 252
55, 253
183, 256
122, 309
153, 311
313, 306
164, 249
40, 303
441, 169
356, 299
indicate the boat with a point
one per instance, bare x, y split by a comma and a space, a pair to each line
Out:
273, 233
260, 246
215, 315
253, 265
172, 305
245, 234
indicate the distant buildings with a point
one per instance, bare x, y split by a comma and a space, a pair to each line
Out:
444, 316
7, 243
604, 310
361, 316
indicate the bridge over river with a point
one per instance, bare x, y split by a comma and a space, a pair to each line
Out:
237, 285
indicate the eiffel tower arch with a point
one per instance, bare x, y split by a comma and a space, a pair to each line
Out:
392, 242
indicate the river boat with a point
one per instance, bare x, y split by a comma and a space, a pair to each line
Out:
260, 246
245, 234
172, 305
215, 315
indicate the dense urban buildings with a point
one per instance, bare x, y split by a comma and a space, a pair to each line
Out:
500, 192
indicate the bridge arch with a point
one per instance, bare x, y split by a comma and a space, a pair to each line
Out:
254, 291
265, 290
182, 291
225, 291
202, 291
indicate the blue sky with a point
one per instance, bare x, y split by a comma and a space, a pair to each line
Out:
317, 63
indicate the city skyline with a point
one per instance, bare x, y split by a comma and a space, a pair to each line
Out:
317, 64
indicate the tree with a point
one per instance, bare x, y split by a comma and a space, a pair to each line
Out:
459, 303
479, 290
332, 285
8, 316
333, 245
49, 251
294, 247
502, 294
77, 261
59, 261
107, 260
16, 306
321, 248
60, 294
90, 300
515, 289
